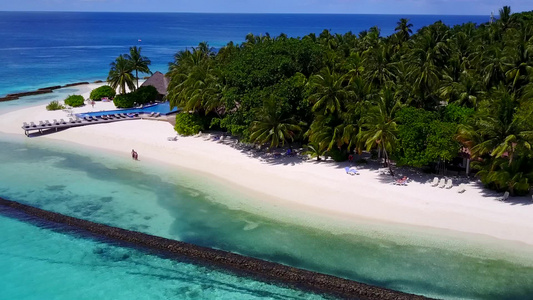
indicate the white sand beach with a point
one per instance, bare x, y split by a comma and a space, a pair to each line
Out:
297, 183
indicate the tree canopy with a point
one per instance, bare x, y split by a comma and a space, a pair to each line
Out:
418, 98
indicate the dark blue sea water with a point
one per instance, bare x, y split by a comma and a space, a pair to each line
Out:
40, 49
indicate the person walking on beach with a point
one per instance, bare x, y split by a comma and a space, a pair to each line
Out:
133, 154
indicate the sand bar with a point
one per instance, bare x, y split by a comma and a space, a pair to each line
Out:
296, 183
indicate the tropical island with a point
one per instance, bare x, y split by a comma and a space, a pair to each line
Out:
285, 119
439, 100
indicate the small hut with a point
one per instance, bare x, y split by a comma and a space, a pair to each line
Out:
160, 82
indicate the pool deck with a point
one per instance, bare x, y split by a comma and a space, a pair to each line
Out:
47, 126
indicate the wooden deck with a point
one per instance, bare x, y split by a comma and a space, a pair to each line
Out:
47, 126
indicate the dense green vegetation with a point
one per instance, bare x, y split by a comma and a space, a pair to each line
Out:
120, 76
102, 92
188, 124
143, 95
75, 100
54, 105
415, 98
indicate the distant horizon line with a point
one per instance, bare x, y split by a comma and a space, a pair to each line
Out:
234, 13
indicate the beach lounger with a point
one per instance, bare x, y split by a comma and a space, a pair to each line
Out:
47, 123
32, 124
56, 122
461, 188
402, 181
435, 181
71, 120
449, 184
26, 125
157, 115
351, 171
383, 171
62, 121
123, 115
78, 120
41, 123
175, 138
442, 183
504, 197
151, 114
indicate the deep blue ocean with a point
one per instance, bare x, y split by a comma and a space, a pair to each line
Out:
39, 49
40, 262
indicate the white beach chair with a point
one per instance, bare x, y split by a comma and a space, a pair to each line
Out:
383, 171
449, 184
442, 183
505, 197
461, 188
435, 181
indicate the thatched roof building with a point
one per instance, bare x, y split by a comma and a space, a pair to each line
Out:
159, 81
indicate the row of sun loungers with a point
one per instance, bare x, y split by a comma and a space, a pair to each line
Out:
447, 184
73, 121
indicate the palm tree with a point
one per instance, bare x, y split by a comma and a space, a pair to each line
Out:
138, 62
120, 75
315, 149
379, 126
329, 92
271, 126
403, 30
467, 91
379, 64
498, 131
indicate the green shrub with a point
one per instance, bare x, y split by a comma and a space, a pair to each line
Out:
74, 100
361, 161
337, 154
54, 105
124, 100
146, 94
102, 92
188, 124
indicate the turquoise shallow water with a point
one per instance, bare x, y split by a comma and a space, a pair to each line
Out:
40, 263
174, 203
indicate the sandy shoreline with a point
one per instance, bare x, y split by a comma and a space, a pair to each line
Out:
322, 186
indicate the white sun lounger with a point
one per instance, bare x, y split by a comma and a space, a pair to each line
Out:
383, 171
449, 184
505, 197
461, 188
442, 183
435, 181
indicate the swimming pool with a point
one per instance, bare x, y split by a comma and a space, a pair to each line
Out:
162, 108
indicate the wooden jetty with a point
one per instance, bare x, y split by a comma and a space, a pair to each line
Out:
45, 126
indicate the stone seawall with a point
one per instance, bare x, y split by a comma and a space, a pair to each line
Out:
45, 90
239, 264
